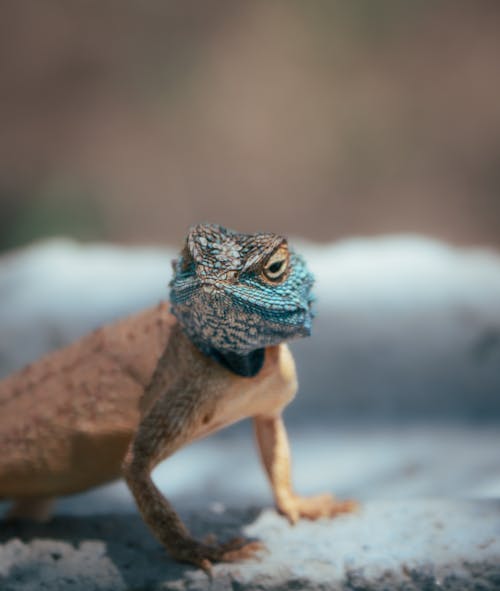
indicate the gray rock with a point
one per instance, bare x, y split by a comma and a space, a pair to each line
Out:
401, 545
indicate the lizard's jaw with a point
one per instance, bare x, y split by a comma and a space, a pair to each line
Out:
213, 322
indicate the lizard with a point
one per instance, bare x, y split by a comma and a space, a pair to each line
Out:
130, 394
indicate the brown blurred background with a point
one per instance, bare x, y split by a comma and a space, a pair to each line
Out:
129, 121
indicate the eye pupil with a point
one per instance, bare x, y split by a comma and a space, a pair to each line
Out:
275, 267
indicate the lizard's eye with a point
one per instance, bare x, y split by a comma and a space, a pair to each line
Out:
276, 265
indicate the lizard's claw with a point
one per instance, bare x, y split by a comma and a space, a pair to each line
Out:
324, 505
203, 554
210, 539
240, 549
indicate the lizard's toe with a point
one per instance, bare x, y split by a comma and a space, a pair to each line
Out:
204, 555
240, 549
324, 505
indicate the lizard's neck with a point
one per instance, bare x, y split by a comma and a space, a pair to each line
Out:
247, 365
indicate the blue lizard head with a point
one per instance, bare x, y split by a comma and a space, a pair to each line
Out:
235, 293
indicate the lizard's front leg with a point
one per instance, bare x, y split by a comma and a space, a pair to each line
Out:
172, 422
275, 453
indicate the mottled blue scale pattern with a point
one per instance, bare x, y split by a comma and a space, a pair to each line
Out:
225, 302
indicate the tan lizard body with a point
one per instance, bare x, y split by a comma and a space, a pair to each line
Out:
66, 421
141, 385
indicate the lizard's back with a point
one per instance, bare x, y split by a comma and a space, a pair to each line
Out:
66, 420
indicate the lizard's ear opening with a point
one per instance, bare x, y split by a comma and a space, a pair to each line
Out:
276, 267
185, 260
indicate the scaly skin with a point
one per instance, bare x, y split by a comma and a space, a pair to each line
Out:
129, 395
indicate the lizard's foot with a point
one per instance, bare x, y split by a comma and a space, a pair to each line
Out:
324, 505
204, 554
36, 509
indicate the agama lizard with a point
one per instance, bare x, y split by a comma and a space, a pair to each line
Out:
128, 395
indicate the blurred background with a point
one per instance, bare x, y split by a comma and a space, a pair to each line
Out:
128, 121
367, 131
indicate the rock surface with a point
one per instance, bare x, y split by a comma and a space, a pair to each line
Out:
399, 540
429, 545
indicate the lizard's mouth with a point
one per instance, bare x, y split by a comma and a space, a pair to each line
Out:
307, 325
304, 327
289, 325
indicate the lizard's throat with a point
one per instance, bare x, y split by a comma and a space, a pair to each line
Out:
247, 365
